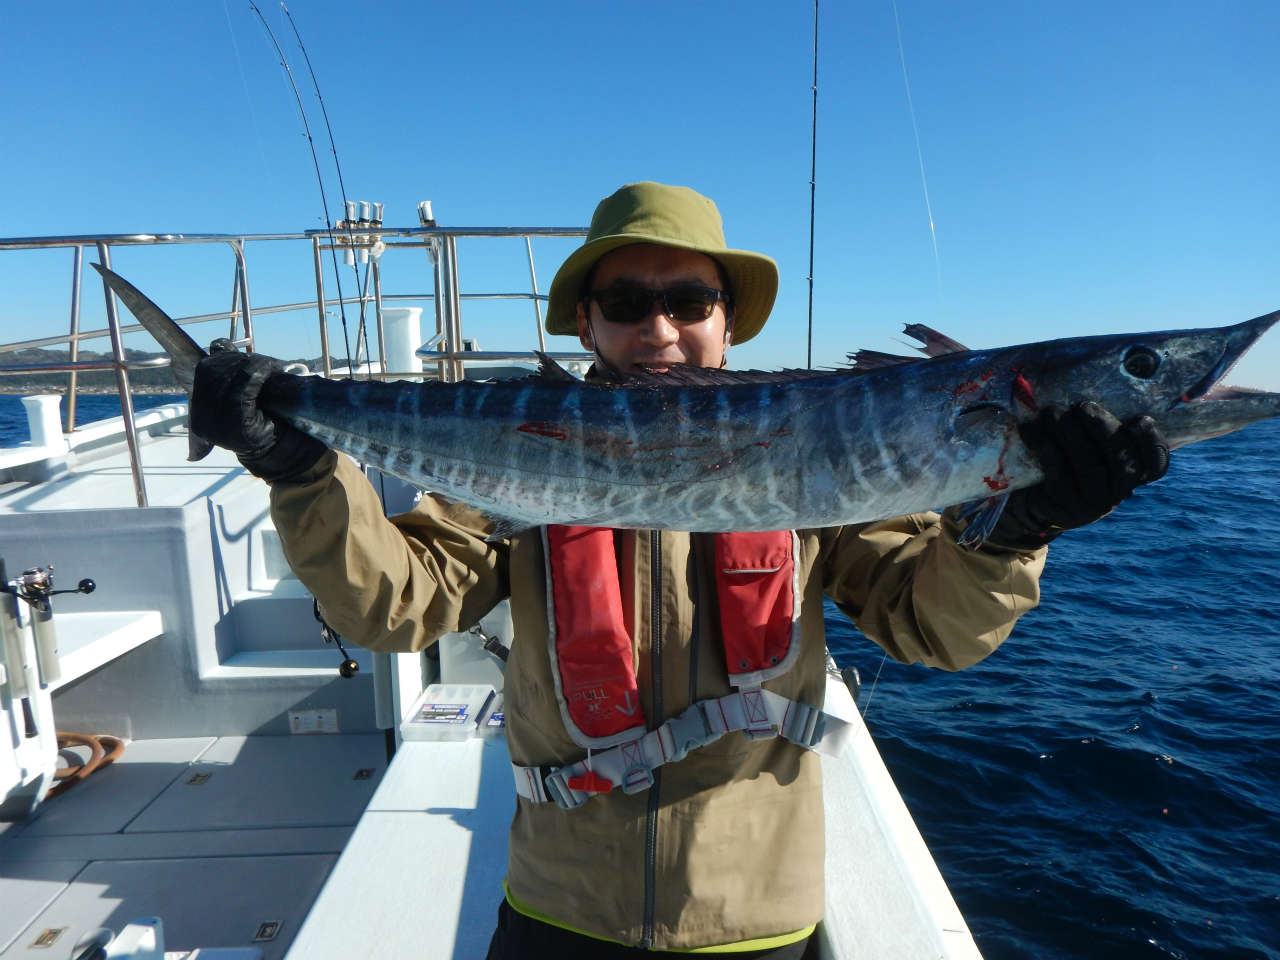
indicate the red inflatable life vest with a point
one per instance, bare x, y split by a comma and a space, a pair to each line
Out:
593, 655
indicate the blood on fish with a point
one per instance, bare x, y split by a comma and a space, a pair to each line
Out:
544, 430
1023, 392
996, 483
972, 386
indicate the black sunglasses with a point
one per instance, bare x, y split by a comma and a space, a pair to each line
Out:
627, 303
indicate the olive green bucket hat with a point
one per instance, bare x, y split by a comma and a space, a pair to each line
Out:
673, 217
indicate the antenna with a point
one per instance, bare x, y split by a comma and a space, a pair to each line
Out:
813, 180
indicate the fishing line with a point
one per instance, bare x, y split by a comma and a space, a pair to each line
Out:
315, 160
915, 128
244, 85
813, 179
361, 332
866, 711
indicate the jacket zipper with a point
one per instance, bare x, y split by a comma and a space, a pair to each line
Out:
656, 717
693, 631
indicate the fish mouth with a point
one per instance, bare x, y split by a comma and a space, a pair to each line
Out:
1223, 395
1239, 339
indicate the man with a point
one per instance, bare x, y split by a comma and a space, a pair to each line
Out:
657, 811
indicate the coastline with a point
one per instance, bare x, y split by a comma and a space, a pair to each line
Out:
94, 391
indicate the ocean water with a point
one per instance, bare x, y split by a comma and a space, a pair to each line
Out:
1107, 784
89, 407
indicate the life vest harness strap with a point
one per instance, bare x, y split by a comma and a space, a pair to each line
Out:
758, 713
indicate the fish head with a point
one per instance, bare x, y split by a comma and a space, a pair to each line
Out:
1175, 377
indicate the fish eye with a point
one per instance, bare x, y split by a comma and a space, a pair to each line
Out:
1141, 362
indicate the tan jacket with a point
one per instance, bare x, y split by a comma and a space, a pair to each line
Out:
728, 844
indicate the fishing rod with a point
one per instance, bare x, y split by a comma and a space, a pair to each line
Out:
361, 330
315, 160
362, 333
349, 666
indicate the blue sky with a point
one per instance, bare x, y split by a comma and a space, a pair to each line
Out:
1092, 167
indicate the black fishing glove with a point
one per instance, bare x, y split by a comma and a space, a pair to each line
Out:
225, 412
1091, 463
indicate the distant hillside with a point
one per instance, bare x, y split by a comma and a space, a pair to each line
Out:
153, 380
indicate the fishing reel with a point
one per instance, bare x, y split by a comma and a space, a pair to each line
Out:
349, 667
35, 586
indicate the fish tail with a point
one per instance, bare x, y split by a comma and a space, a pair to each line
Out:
184, 353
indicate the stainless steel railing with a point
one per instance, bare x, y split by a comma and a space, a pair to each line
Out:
368, 242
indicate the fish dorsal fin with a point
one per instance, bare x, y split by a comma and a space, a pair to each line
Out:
933, 343
683, 375
867, 360
550, 371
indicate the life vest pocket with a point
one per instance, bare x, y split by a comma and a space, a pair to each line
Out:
755, 581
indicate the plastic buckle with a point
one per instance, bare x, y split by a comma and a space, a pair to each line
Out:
637, 776
558, 789
688, 731
804, 725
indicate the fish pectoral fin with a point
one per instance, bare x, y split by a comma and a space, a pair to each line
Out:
983, 515
980, 419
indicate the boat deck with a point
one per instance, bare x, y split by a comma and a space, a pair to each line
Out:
94, 473
227, 839
195, 649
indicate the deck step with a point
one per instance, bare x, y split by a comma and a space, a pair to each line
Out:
281, 664
281, 620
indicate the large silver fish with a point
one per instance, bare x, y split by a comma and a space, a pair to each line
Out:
709, 451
